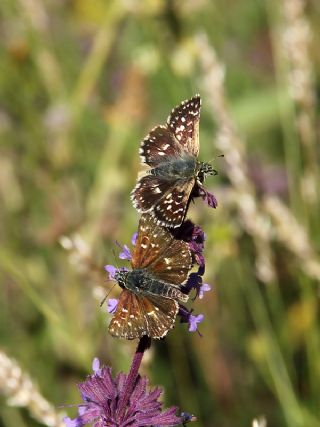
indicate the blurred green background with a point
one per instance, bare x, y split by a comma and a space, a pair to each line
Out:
81, 83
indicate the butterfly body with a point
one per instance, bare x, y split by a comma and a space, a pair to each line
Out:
141, 282
175, 174
151, 291
176, 168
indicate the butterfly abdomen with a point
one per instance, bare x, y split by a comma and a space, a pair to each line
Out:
180, 168
141, 282
166, 290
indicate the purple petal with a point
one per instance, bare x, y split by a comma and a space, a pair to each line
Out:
125, 254
194, 282
199, 258
184, 314
96, 366
204, 288
82, 410
187, 418
208, 197
112, 305
111, 269
134, 238
76, 422
193, 322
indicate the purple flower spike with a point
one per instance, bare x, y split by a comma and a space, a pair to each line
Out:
134, 238
204, 288
125, 254
196, 244
111, 269
208, 197
193, 322
112, 305
194, 235
101, 395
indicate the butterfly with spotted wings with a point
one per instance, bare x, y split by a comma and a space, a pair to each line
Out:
175, 175
151, 291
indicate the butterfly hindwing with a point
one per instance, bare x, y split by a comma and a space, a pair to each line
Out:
171, 209
166, 199
148, 191
160, 314
137, 315
127, 321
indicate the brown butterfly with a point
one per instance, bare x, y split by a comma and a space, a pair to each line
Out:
176, 175
149, 302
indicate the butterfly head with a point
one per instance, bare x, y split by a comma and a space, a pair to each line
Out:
205, 169
121, 277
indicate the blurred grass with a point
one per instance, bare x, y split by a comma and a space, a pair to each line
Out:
81, 83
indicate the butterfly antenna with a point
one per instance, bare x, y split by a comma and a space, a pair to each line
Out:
215, 158
104, 299
115, 258
214, 172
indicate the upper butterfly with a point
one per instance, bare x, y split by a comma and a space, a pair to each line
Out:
149, 302
176, 175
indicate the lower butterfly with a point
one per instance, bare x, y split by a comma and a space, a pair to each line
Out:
151, 291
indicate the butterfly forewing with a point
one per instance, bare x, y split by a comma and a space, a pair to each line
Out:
158, 252
150, 242
183, 122
137, 315
175, 264
158, 145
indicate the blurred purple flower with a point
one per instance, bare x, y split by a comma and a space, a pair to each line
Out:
205, 287
197, 244
195, 236
208, 197
111, 269
186, 316
193, 322
96, 366
268, 177
125, 253
134, 238
102, 396
112, 305
187, 418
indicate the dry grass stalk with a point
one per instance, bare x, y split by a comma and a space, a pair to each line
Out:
20, 391
286, 227
37, 20
296, 43
227, 140
259, 422
293, 236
